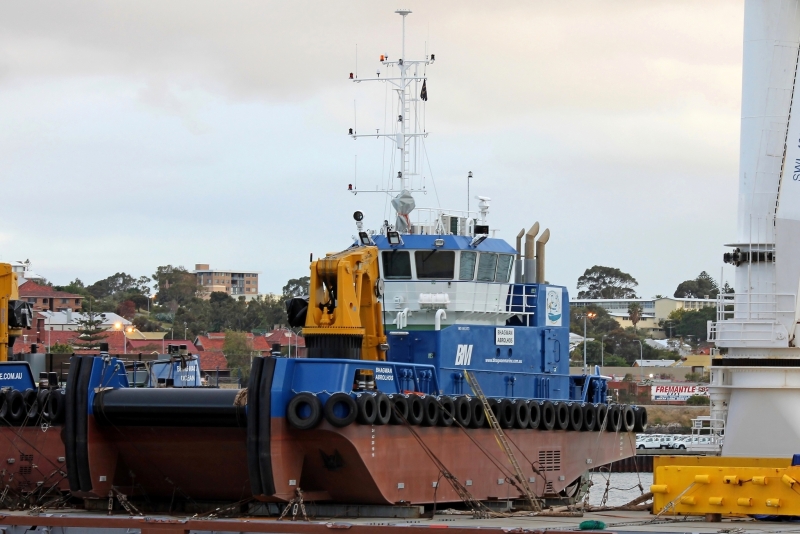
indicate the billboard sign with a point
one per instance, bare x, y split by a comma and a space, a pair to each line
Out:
667, 392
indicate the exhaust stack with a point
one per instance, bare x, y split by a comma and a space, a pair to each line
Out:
540, 243
518, 259
530, 262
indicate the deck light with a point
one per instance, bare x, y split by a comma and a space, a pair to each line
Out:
439, 242
351, 75
365, 239
393, 236
358, 216
477, 240
350, 131
383, 58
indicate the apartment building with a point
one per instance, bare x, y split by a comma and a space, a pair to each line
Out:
235, 283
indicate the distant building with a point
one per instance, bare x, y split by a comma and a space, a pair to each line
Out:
234, 283
291, 344
67, 320
24, 272
654, 311
45, 298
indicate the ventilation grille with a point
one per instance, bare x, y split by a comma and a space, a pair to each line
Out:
26, 458
550, 460
548, 488
25, 470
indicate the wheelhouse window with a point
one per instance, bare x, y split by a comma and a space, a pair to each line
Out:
503, 268
435, 264
487, 264
466, 270
396, 265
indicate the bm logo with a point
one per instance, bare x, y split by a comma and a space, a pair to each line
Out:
464, 355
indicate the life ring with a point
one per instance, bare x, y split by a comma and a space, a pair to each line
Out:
447, 410
430, 411
628, 419
641, 419
522, 413
367, 408
340, 409
462, 411
562, 415
416, 410
589, 417
548, 418
383, 409
575, 416
304, 411
399, 409
535, 417
477, 415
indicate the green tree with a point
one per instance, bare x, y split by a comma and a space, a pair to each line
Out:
61, 348
143, 324
692, 323
90, 331
698, 400
699, 288
606, 283
634, 313
75, 287
238, 350
175, 285
296, 287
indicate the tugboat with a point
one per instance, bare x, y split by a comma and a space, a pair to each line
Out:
429, 342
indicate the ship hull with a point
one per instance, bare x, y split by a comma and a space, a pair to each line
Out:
34, 462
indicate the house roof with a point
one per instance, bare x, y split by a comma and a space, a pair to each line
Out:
65, 318
285, 337
32, 289
114, 338
653, 363
214, 341
159, 344
211, 360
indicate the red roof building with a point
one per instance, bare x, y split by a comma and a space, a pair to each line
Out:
46, 298
214, 341
291, 344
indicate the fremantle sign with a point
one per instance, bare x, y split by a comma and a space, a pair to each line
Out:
676, 393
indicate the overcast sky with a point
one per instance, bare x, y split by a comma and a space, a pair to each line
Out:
135, 134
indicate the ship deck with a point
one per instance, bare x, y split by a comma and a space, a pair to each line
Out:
77, 522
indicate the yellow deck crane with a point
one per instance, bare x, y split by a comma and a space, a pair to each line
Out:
15, 315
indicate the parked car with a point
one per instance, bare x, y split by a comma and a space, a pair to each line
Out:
681, 442
649, 442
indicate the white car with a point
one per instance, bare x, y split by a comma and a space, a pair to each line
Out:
681, 442
649, 442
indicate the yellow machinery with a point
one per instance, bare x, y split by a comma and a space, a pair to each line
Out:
701, 485
14, 314
344, 318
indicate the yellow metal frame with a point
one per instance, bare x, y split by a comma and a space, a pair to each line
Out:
699, 485
8, 291
353, 275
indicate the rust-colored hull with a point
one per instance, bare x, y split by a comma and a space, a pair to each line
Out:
33, 458
384, 464
381, 464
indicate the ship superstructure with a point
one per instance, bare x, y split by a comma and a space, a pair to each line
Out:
755, 386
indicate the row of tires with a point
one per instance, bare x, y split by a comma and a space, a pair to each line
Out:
32, 406
306, 410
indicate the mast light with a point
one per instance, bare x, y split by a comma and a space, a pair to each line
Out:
351, 75
383, 58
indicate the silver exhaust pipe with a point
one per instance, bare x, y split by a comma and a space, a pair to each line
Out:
540, 243
518, 259
530, 261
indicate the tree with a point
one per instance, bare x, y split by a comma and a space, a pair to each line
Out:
701, 287
60, 348
606, 283
238, 350
143, 324
126, 309
698, 400
692, 323
90, 331
296, 287
175, 284
635, 313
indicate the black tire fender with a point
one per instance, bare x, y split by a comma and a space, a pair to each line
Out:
447, 409
522, 414
477, 413
575, 416
614, 418
548, 418
42, 399
367, 408
340, 409
628, 419
602, 417
304, 411
641, 419
383, 409
535, 417
56, 407
589, 417
416, 409
16, 406
463, 411
430, 411
399, 409
30, 398
505, 410
562, 415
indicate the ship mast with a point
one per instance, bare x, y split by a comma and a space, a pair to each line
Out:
407, 134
